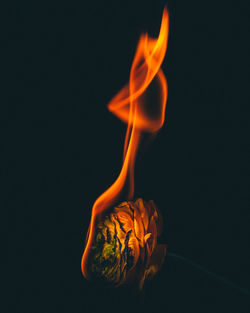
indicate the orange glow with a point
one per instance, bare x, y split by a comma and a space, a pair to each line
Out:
129, 105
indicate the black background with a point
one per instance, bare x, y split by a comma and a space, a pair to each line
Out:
65, 62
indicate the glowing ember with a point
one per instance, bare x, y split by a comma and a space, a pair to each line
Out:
121, 241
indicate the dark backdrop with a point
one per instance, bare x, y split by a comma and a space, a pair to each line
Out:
65, 62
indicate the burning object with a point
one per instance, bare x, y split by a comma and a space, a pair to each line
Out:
125, 247
121, 244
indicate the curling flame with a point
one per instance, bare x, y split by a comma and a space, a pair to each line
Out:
130, 106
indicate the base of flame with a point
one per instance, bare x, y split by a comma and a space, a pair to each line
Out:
125, 248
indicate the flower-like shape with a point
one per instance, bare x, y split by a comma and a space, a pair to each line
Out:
125, 248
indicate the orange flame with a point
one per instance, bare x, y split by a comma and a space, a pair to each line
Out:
129, 106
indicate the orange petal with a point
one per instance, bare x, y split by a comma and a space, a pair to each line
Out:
139, 228
134, 246
143, 211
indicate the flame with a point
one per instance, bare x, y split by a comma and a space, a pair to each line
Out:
129, 106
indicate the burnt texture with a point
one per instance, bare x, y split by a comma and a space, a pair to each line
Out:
125, 248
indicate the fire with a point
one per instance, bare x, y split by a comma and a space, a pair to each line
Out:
130, 105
